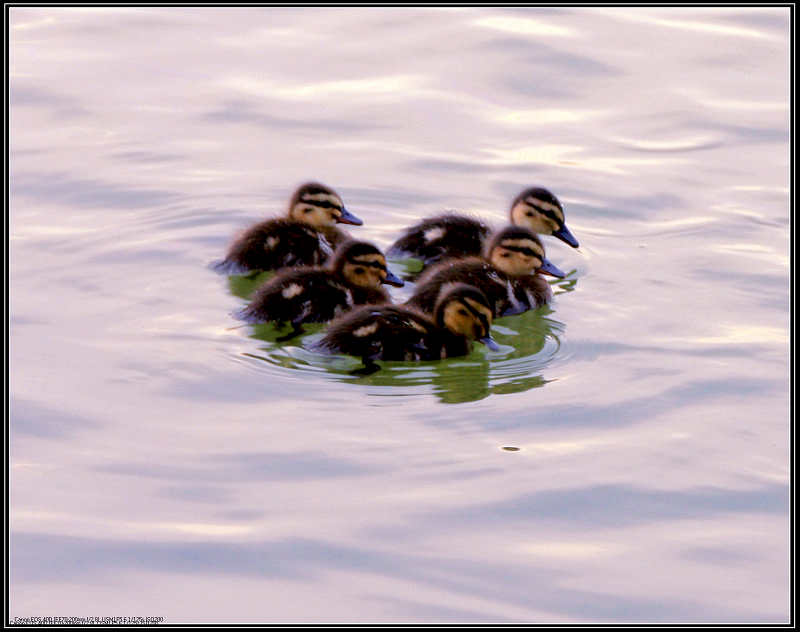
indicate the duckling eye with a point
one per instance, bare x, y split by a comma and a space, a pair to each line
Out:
359, 270
529, 213
462, 312
505, 255
307, 210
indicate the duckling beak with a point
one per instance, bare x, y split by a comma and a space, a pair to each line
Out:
348, 218
391, 279
489, 342
567, 237
549, 268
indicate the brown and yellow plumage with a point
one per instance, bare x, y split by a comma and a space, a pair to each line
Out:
452, 235
306, 237
398, 333
303, 295
508, 275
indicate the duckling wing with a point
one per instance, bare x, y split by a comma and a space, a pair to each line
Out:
300, 296
370, 296
276, 243
536, 289
441, 237
385, 333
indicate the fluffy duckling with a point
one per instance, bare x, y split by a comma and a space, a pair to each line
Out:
393, 332
315, 295
306, 237
509, 275
453, 235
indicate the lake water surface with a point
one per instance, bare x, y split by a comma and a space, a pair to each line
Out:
167, 462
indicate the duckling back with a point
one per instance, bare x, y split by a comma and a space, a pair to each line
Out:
462, 313
453, 235
274, 244
440, 237
306, 237
473, 271
354, 277
299, 295
387, 332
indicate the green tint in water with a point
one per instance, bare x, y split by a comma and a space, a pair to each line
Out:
528, 342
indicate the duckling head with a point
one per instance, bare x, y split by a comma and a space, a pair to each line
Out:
319, 206
517, 251
540, 210
464, 310
362, 264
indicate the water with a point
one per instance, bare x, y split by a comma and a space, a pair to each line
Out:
166, 463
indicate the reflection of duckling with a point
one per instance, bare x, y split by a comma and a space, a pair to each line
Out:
397, 333
315, 295
453, 235
305, 238
508, 276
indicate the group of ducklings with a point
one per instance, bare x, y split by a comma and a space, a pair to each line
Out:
470, 276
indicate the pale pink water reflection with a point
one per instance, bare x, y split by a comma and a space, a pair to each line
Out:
164, 464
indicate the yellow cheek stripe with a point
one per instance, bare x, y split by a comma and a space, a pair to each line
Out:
322, 197
519, 209
452, 319
519, 243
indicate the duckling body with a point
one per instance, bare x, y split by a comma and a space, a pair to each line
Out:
307, 237
506, 295
441, 237
397, 333
508, 276
453, 235
394, 333
304, 295
275, 244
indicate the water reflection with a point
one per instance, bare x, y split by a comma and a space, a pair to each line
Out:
43, 558
619, 505
64, 189
242, 467
528, 342
250, 113
243, 285
30, 418
649, 402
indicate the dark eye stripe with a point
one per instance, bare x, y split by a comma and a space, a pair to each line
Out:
547, 213
321, 204
524, 251
481, 317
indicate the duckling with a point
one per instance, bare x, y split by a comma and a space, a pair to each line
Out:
305, 295
509, 275
393, 332
306, 237
452, 235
